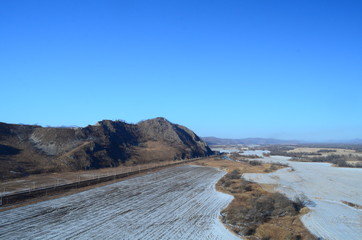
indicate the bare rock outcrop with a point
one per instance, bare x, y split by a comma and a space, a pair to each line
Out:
30, 149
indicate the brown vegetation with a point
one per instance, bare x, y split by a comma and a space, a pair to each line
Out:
256, 213
237, 156
345, 156
354, 205
339, 160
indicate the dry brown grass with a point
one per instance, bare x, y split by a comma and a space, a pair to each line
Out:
231, 165
285, 227
338, 151
153, 151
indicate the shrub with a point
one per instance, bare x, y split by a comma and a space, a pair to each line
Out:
260, 209
255, 163
339, 160
301, 201
226, 183
245, 186
281, 164
235, 174
326, 151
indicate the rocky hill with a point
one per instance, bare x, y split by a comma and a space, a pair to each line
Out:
29, 149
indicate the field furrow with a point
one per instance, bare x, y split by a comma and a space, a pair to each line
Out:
176, 203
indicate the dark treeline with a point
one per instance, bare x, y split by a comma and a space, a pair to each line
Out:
339, 160
356, 147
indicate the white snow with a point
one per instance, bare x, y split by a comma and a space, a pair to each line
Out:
255, 152
327, 187
176, 203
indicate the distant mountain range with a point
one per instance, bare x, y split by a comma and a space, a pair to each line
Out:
270, 141
258, 141
352, 141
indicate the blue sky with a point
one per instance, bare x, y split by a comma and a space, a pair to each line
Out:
233, 69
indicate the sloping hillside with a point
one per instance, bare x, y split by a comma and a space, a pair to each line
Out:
28, 149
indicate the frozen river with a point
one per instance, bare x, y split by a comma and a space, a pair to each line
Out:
176, 203
327, 187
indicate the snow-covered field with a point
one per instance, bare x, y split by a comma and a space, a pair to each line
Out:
225, 149
327, 187
254, 152
240, 150
176, 203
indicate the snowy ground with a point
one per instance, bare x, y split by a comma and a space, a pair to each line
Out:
240, 150
176, 203
226, 149
327, 187
254, 152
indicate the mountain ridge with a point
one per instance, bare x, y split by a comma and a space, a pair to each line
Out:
272, 141
31, 149
247, 141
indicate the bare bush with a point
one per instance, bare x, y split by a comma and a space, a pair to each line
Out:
339, 160
226, 183
260, 209
302, 201
235, 174
255, 163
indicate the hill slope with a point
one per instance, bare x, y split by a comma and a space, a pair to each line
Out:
28, 149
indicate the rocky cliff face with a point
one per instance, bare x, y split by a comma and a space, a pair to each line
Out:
27, 149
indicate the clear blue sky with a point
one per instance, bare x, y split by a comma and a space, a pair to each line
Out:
233, 69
